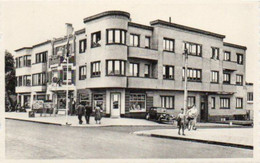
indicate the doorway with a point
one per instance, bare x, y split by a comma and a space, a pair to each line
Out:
204, 108
115, 104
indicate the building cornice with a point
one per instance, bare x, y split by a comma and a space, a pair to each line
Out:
81, 31
42, 43
234, 45
23, 48
140, 26
161, 22
106, 13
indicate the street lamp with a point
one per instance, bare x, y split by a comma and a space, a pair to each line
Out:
185, 80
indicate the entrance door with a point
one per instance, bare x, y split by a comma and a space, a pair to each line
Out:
115, 104
204, 108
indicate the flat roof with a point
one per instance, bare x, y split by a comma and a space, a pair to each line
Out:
234, 45
165, 23
80, 31
140, 26
23, 48
106, 13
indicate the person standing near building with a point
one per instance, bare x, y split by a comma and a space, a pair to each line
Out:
181, 121
88, 113
98, 115
73, 107
81, 112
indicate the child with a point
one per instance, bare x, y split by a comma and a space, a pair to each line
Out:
180, 120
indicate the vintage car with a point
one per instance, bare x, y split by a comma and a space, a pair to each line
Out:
159, 114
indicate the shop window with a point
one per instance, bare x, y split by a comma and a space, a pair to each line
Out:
193, 49
95, 69
134, 69
167, 102
134, 40
95, 39
115, 67
137, 102
224, 103
98, 100
84, 98
191, 101
116, 36
239, 103
168, 72
82, 45
168, 44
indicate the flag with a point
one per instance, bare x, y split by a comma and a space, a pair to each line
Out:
69, 32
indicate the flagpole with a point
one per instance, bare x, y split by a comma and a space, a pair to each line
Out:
185, 80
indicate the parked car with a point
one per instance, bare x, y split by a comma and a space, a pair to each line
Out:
158, 114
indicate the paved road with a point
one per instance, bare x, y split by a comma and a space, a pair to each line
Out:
26, 140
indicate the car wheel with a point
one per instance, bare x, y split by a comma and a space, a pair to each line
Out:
147, 116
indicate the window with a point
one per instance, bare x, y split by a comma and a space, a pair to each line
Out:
215, 53
240, 59
239, 103
41, 57
192, 74
250, 96
226, 78
84, 98
213, 103
62, 50
82, 45
134, 40
168, 44
227, 56
95, 39
147, 42
239, 79
27, 80
193, 49
167, 102
147, 70
98, 100
134, 69
27, 61
20, 62
65, 74
95, 69
117, 36
214, 76
137, 102
82, 72
191, 101
115, 67
224, 103
20, 81
168, 72
39, 79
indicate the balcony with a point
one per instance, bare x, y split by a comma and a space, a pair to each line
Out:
229, 65
229, 88
22, 71
58, 59
23, 89
38, 88
144, 83
143, 53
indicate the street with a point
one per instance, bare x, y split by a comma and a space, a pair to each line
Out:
27, 140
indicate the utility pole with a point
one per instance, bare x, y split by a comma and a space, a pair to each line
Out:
69, 32
185, 80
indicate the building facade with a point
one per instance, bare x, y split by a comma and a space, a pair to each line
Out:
127, 67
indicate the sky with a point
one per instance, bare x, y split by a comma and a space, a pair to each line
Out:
26, 23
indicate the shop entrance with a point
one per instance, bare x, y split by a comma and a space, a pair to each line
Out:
115, 104
204, 108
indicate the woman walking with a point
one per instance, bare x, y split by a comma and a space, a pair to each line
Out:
98, 115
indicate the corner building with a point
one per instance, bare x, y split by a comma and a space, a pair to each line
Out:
128, 67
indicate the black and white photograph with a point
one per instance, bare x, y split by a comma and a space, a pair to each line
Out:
154, 81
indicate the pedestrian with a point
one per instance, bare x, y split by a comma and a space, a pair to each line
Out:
73, 107
88, 113
81, 112
98, 115
181, 121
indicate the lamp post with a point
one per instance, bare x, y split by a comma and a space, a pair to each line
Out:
69, 32
185, 79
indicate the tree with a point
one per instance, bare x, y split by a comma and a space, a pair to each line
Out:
9, 77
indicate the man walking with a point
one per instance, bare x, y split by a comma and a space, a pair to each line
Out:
81, 112
88, 113
181, 121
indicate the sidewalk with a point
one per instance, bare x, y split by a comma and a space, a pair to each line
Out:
237, 137
105, 122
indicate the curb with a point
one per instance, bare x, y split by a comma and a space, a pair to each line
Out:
198, 140
27, 120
